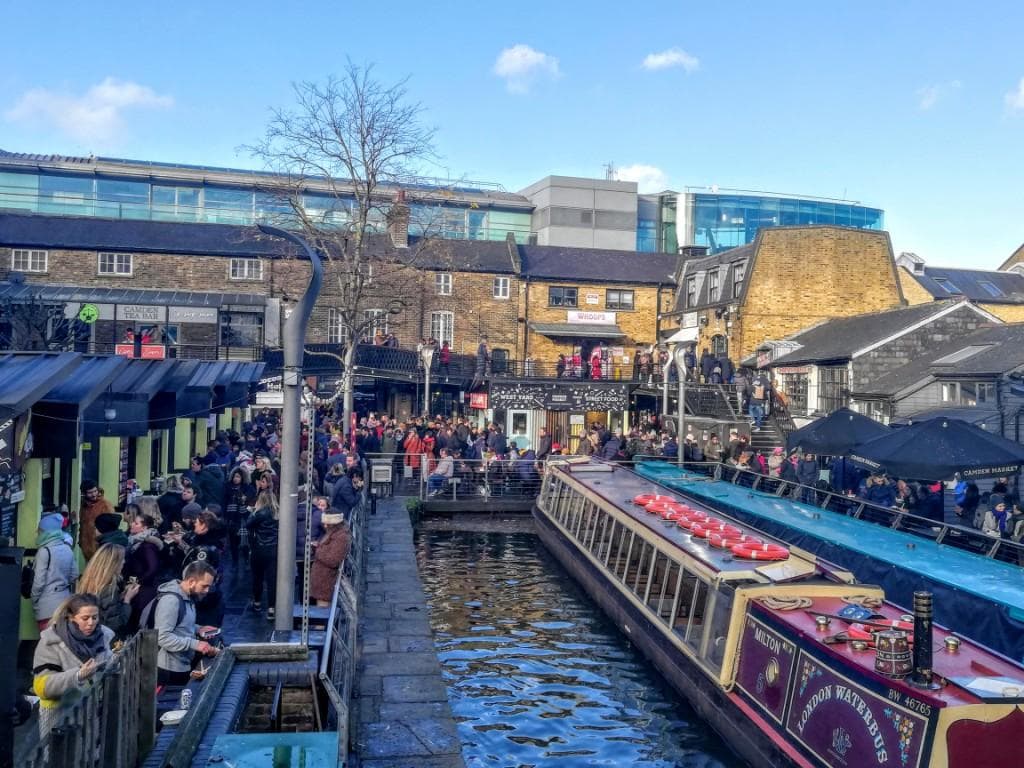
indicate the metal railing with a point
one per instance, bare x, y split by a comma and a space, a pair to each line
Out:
958, 536
111, 725
338, 659
178, 351
482, 480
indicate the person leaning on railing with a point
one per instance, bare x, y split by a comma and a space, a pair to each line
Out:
329, 554
70, 651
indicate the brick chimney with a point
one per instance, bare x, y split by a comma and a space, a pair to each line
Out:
398, 221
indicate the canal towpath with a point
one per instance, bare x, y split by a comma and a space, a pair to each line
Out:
403, 719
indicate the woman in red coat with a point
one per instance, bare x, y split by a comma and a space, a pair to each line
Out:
595, 364
413, 447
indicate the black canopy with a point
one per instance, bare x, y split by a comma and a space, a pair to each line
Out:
939, 448
836, 434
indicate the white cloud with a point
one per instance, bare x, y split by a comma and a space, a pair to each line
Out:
1015, 98
930, 95
520, 66
95, 116
648, 178
673, 57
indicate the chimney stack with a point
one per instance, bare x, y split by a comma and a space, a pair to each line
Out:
398, 221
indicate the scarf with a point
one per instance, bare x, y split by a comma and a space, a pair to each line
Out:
135, 540
117, 537
84, 647
1001, 518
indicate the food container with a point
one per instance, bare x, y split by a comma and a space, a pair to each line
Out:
892, 654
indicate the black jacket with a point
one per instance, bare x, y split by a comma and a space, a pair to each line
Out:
263, 528
344, 495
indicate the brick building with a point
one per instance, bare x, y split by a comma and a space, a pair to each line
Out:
789, 278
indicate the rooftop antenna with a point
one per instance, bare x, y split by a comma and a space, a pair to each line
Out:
609, 171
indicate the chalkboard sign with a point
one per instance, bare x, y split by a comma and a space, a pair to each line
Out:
11, 493
122, 477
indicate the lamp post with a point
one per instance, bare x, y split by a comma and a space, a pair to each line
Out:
291, 383
679, 355
664, 383
427, 353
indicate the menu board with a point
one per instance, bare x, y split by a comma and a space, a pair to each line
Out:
11, 493
122, 476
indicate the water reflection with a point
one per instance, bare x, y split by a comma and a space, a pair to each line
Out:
536, 674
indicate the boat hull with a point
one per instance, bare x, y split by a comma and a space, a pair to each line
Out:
723, 711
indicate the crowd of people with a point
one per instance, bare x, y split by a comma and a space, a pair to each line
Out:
159, 562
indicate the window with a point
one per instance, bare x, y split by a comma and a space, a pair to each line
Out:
563, 297
246, 269
739, 273
376, 321
334, 326
833, 388
24, 260
946, 284
241, 329
618, 300
719, 346
795, 387
691, 291
501, 287
443, 281
713, 286
117, 264
990, 288
950, 392
974, 393
442, 327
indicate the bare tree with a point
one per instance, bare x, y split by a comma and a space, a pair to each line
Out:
339, 155
31, 324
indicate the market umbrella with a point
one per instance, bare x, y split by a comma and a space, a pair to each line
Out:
937, 449
836, 434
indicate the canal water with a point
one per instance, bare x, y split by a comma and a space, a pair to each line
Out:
536, 675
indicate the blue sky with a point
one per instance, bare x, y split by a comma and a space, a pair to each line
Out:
914, 107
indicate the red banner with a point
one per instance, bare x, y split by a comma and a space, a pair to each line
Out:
478, 400
149, 351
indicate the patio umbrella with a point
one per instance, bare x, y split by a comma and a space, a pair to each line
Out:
836, 434
939, 448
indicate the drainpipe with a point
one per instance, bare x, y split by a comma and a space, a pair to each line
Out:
292, 338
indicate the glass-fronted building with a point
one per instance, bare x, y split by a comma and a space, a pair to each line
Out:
720, 220
127, 189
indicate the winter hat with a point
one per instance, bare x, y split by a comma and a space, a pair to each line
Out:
51, 522
332, 518
191, 510
777, 450
108, 522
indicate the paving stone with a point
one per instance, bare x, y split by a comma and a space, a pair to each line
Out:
444, 761
376, 645
389, 739
404, 644
414, 711
409, 626
388, 664
414, 688
438, 734
369, 685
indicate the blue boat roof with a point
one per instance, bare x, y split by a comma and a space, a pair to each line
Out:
992, 580
89, 380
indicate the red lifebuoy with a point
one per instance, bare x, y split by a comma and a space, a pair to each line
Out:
687, 522
657, 507
728, 541
763, 551
643, 499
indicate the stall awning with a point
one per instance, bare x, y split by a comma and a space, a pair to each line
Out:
25, 377
92, 377
683, 335
578, 330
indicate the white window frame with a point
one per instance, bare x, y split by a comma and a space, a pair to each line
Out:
379, 322
333, 326
115, 257
29, 255
501, 288
619, 304
443, 283
442, 327
242, 269
949, 392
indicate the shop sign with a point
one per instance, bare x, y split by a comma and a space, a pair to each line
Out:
141, 312
689, 320
593, 298
147, 352
207, 315
596, 318
805, 369
577, 418
478, 400
561, 397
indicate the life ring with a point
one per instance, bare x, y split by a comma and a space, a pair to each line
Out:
643, 499
726, 530
726, 541
764, 551
670, 515
687, 522
657, 507
676, 506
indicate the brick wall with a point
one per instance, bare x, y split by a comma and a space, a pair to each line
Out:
913, 291
800, 276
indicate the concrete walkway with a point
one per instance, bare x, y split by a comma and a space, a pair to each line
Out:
402, 713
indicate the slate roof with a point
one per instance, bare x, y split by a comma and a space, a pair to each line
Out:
26, 377
1001, 349
944, 283
836, 340
554, 262
725, 263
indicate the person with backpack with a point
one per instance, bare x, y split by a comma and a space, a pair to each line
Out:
172, 613
760, 392
54, 570
205, 543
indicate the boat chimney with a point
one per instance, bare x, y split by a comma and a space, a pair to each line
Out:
922, 640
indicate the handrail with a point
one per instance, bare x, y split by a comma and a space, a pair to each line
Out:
484, 479
957, 536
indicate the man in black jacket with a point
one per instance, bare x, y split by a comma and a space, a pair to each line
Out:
543, 445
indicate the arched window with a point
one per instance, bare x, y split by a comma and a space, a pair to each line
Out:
719, 345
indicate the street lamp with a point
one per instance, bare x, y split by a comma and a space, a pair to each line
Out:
427, 353
664, 381
679, 355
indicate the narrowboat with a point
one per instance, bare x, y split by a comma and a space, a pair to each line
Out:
970, 590
789, 658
